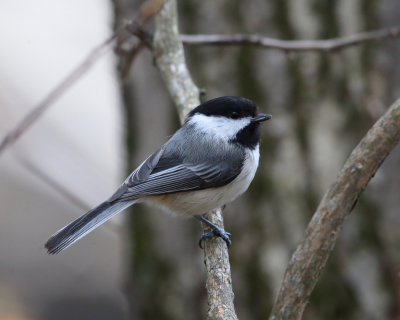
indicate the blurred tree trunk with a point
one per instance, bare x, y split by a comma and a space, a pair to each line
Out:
322, 105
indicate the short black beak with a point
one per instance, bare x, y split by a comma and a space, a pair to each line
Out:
261, 117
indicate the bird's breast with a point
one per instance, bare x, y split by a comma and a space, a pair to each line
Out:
202, 201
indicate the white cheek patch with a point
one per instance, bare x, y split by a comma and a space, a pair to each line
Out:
222, 127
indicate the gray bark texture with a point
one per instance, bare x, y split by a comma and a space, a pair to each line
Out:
170, 60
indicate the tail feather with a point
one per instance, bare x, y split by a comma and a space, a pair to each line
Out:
77, 229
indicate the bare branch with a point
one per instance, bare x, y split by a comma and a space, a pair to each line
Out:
56, 93
146, 11
62, 190
334, 44
170, 59
309, 259
129, 58
54, 184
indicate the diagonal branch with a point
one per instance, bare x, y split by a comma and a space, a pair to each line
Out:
146, 12
310, 257
56, 93
61, 189
327, 45
170, 60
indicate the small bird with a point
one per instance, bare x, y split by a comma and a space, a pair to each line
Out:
207, 163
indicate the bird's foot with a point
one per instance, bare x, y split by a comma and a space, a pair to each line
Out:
218, 232
215, 232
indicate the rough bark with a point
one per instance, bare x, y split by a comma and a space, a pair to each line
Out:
310, 257
170, 59
219, 280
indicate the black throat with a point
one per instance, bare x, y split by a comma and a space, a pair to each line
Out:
249, 136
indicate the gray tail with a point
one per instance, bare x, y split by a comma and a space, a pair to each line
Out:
77, 229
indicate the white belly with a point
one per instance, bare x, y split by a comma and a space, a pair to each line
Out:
202, 201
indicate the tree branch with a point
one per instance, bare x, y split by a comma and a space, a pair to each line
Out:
170, 60
56, 93
334, 44
219, 279
310, 257
146, 11
62, 190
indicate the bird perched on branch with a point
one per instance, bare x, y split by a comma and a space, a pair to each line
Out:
207, 163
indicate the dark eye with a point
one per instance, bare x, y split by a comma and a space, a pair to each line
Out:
234, 115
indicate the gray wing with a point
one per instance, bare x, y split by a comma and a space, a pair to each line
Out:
163, 173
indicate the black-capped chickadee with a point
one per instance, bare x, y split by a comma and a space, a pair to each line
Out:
207, 163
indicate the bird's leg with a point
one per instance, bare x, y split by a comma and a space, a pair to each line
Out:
215, 232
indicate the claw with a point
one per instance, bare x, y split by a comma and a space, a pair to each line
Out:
217, 232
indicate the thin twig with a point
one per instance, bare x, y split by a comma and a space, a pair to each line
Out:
54, 184
310, 257
63, 191
146, 11
327, 45
56, 93
129, 57
170, 59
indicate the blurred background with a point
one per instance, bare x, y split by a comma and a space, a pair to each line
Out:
147, 265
